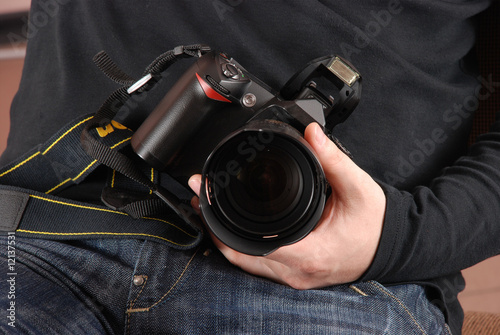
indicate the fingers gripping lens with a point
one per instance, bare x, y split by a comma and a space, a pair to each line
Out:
262, 188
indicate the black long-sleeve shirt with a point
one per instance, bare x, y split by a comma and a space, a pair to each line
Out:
410, 130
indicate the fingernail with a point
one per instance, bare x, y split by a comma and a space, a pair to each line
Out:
195, 184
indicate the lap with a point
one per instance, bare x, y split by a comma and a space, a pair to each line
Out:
141, 287
38, 303
202, 293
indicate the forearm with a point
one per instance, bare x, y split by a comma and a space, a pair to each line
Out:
448, 226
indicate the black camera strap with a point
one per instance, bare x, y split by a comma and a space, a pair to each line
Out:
120, 162
26, 185
29, 207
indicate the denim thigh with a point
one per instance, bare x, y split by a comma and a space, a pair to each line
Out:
142, 287
199, 292
78, 287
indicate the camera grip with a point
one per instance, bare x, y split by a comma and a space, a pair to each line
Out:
178, 116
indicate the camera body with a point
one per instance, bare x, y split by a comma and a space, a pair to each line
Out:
262, 185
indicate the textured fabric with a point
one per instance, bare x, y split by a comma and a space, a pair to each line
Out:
134, 287
420, 90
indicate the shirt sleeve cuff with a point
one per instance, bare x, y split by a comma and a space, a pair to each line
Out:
392, 233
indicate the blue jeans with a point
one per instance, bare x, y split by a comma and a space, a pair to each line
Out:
140, 287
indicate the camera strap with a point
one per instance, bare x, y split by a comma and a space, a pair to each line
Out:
28, 207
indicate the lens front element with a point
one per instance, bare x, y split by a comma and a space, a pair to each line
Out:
266, 188
262, 188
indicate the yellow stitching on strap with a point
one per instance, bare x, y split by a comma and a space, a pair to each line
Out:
52, 145
101, 233
117, 144
20, 164
57, 186
95, 161
76, 206
106, 210
75, 178
84, 170
66, 133
156, 219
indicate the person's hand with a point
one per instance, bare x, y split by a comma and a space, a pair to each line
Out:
343, 244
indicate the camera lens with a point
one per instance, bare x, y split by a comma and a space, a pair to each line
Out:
266, 188
262, 188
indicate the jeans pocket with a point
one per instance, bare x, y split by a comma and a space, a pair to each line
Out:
159, 274
195, 291
408, 307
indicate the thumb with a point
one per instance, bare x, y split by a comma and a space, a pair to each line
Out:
340, 171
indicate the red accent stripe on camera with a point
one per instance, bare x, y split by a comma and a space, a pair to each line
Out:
210, 92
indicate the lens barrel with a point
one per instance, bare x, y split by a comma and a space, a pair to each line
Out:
262, 187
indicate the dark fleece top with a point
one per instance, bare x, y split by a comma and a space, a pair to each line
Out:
410, 130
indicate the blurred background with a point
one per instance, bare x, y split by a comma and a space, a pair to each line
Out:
483, 284
12, 50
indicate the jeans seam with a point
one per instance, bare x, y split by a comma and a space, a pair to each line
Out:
400, 303
133, 302
147, 309
140, 292
358, 290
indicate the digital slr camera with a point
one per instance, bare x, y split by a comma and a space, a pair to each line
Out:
262, 185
